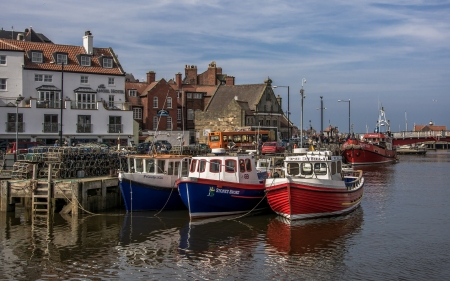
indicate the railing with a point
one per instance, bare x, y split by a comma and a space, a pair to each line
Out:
50, 127
83, 105
11, 127
115, 128
84, 128
48, 104
412, 134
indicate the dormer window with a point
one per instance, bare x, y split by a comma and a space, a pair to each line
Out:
107, 63
36, 57
85, 60
132, 93
61, 58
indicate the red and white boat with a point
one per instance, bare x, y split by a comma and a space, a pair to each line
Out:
314, 185
372, 148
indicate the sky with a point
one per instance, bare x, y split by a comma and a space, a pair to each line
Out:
390, 53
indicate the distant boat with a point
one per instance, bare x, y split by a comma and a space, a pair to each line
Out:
412, 149
314, 185
223, 185
373, 148
148, 182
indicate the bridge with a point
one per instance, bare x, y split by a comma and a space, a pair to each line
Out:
433, 139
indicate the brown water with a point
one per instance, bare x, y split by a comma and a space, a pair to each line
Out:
400, 232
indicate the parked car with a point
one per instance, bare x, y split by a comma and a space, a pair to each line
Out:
272, 147
143, 147
160, 144
23, 146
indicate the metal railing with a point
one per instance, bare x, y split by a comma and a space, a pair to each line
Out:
50, 127
115, 128
48, 104
84, 128
11, 127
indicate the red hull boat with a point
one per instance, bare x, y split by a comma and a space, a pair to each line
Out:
373, 148
314, 185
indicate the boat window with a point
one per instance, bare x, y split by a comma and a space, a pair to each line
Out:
241, 166
131, 164
214, 138
138, 165
225, 138
161, 164
150, 165
202, 166
177, 168
339, 166
230, 166
185, 167
248, 165
237, 138
293, 169
306, 169
214, 166
193, 164
333, 168
320, 168
170, 168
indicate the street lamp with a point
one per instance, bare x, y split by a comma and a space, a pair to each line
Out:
61, 103
18, 100
301, 122
288, 112
349, 132
321, 114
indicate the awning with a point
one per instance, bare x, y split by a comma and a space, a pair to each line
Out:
48, 88
84, 90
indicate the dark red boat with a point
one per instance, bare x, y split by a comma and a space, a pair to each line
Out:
372, 148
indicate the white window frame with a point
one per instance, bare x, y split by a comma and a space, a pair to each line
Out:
111, 101
3, 84
137, 113
132, 93
179, 114
189, 95
198, 96
86, 100
190, 114
169, 123
2, 60
61, 58
107, 63
155, 102
53, 97
169, 102
111, 81
85, 61
84, 79
155, 122
48, 78
38, 78
36, 57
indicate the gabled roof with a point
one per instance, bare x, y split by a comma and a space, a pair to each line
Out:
73, 65
28, 35
423, 128
251, 94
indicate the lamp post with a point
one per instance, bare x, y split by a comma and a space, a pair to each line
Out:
61, 103
348, 113
321, 114
302, 92
18, 100
288, 112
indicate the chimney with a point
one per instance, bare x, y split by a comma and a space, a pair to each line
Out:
178, 80
279, 100
151, 77
88, 41
230, 80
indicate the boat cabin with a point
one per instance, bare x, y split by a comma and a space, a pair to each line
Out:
238, 168
167, 165
379, 139
314, 164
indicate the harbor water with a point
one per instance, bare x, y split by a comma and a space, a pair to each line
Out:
400, 232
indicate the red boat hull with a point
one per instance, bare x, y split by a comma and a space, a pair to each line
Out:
362, 153
302, 200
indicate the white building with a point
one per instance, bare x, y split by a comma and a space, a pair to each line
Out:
89, 83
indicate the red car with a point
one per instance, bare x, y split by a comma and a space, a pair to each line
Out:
272, 147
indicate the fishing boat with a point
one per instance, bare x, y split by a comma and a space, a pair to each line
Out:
148, 182
372, 148
314, 185
222, 185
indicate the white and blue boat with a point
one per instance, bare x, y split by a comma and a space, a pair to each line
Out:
149, 181
223, 185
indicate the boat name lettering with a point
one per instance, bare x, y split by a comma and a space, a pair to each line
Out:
227, 191
153, 177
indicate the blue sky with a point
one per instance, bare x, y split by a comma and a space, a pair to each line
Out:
396, 53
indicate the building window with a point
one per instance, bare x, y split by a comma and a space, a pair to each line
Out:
132, 93
107, 63
190, 114
178, 114
48, 99
3, 84
274, 123
111, 101
169, 123
137, 113
48, 78
198, 96
85, 61
2, 60
85, 100
155, 102
189, 95
50, 123
115, 124
61, 59
11, 124
36, 57
155, 123
45, 78
84, 124
169, 102
84, 79
110, 80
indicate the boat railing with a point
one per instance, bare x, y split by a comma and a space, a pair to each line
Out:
353, 179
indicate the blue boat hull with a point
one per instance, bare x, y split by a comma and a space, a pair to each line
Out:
145, 197
207, 198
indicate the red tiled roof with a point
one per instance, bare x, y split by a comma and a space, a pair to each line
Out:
73, 66
429, 128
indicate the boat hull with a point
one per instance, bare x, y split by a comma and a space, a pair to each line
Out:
138, 196
366, 154
296, 200
209, 198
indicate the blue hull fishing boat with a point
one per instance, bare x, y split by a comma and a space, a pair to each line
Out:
223, 185
149, 182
